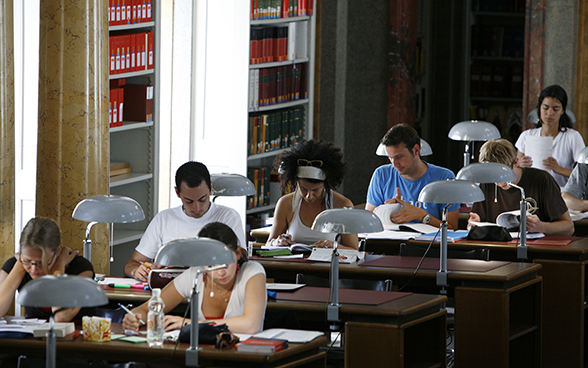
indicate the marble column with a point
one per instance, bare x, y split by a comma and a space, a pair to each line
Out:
581, 108
6, 131
73, 139
534, 56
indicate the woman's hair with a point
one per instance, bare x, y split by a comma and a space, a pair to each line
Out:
318, 153
557, 92
500, 150
223, 233
41, 233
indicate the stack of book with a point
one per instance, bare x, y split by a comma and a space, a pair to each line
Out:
259, 345
119, 168
271, 9
128, 12
131, 52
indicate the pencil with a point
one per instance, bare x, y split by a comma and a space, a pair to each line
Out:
131, 313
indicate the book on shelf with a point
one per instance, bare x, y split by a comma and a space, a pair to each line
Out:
272, 9
260, 345
119, 168
278, 84
131, 52
122, 12
139, 102
275, 130
260, 177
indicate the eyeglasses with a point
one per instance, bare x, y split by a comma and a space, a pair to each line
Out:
226, 340
39, 264
314, 163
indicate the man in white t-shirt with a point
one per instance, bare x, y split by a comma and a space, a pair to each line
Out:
193, 187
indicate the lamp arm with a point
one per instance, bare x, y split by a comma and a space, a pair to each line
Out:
522, 247
442, 274
92, 223
333, 307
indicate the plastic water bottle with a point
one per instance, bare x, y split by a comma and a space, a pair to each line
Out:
155, 320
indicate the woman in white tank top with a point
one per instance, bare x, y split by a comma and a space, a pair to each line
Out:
314, 169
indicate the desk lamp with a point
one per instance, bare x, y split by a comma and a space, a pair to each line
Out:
583, 156
346, 220
204, 253
231, 185
106, 209
426, 149
64, 291
472, 130
494, 172
448, 191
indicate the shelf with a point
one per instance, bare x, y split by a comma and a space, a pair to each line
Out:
278, 20
132, 74
130, 125
498, 14
125, 27
278, 63
125, 179
261, 209
497, 99
282, 105
125, 236
498, 58
518, 331
261, 156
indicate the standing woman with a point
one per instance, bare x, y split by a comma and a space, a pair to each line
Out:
315, 169
41, 253
553, 122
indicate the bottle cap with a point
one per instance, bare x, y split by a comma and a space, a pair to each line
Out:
156, 292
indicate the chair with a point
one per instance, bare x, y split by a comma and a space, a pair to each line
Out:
411, 250
378, 285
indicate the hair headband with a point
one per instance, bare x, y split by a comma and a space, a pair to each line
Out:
311, 172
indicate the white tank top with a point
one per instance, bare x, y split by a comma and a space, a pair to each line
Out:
303, 234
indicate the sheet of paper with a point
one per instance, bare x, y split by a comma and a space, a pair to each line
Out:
117, 280
294, 336
283, 286
539, 148
390, 234
325, 255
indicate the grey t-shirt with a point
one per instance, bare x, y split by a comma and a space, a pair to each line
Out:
577, 184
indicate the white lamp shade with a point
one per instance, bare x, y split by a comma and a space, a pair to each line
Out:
347, 221
191, 252
583, 156
109, 209
486, 172
533, 117
231, 185
451, 191
426, 149
63, 291
473, 130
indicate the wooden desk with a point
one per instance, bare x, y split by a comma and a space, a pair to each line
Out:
296, 355
498, 312
564, 292
406, 332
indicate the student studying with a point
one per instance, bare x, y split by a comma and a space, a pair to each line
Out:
402, 180
235, 296
41, 253
193, 187
315, 169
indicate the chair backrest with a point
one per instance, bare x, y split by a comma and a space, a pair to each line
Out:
417, 251
378, 285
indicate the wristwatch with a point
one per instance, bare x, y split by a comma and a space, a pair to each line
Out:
426, 219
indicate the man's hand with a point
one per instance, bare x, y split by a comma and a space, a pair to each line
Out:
142, 272
474, 217
408, 212
171, 322
534, 224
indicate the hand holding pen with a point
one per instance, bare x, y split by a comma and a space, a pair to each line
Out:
131, 320
284, 240
142, 272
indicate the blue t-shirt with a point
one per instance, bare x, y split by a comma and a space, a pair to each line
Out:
386, 179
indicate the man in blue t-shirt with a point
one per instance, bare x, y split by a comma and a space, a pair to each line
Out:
402, 180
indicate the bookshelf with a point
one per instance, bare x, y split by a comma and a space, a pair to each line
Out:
281, 83
495, 64
133, 117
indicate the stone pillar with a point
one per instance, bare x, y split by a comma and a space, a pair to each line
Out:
6, 131
73, 140
534, 56
581, 97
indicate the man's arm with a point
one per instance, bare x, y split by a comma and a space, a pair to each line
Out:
370, 207
575, 203
562, 225
135, 268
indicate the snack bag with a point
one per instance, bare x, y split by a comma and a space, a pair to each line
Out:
96, 328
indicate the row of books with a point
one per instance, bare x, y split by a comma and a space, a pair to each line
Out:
268, 44
129, 12
506, 41
270, 86
138, 100
271, 9
260, 177
275, 130
488, 80
510, 6
131, 52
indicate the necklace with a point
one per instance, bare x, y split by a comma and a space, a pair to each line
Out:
226, 296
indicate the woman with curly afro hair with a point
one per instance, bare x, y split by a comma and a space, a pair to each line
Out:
315, 169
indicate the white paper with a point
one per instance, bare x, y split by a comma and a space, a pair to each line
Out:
294, 336
283, 286
539, 148
325, 255
118, 280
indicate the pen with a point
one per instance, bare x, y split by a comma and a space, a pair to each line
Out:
129, 312
123, 286
140, 286
146, 265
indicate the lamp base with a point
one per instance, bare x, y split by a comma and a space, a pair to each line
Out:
522, 252
442, 278
333, 312
192, 357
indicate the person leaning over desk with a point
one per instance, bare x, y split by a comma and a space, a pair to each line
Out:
553, 122
316, 169
402, 180
41, 253
193, 187
575, 193
235, 296
551, 216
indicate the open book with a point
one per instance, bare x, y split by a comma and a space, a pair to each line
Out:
508, 220
298, 247
385, 210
